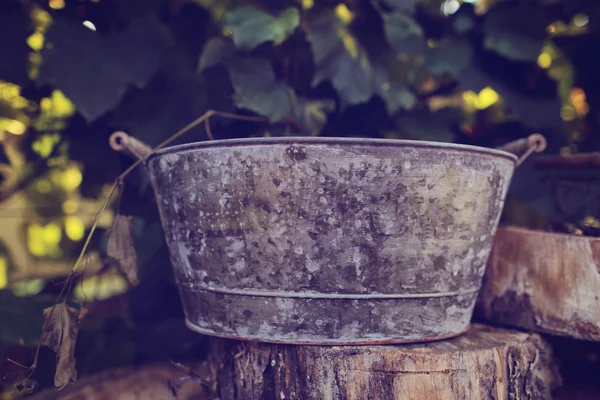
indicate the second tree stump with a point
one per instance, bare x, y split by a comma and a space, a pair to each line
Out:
544, 282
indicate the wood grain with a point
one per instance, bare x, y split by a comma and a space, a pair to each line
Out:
485, 363
544, 282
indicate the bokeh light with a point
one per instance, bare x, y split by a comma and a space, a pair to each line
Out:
449, 7
482, 100
57, 4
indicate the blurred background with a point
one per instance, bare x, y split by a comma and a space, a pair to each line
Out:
481, 72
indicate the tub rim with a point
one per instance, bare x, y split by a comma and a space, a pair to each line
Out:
312, 140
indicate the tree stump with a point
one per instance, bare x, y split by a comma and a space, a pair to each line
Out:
485, 363
162, 381
545, 282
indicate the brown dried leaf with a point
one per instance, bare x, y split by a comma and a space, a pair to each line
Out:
60, 335
199, 374
120, 247
82, 313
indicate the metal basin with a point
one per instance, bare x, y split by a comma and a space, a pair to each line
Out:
329, 240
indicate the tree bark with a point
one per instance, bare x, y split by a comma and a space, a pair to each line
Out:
485, 363
544, 282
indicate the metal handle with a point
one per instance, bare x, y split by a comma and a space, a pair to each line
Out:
120, 141
523, 148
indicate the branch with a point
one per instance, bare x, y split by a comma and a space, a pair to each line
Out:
117, 185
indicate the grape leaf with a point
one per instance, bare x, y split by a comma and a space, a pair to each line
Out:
251, 27
515, 30
339, 58
173, 97
95, 71
312, 114
405, 39
402, 32
255, 85
396, 97
216, 51
451, 56
391, 89
357, 76
60, 336
257, 89
464, 19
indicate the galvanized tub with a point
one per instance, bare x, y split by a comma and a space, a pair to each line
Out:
328, 240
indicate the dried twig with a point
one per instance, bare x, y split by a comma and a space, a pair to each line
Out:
117, 184
207, 129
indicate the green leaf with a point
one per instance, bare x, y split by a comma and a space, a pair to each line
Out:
255, 85
463, 23
257, 89
312, 114
251, 27
395, 96
465, 19
173, 98
402, 32
96, 71
339, 58
451, 56
216, 51
516, 31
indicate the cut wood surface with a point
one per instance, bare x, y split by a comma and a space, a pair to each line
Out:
485, 363
542, 281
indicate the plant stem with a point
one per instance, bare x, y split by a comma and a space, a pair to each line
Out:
116, 184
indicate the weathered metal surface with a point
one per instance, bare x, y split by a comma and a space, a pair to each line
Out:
324, 241
485, 363
543, 281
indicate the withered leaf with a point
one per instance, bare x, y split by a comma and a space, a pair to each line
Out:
60, 335
120, 247
199, 374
